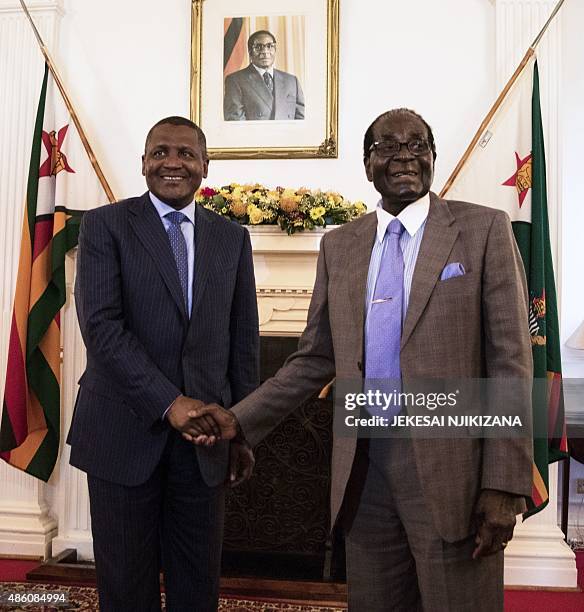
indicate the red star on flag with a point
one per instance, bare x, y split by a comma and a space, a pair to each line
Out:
521, 180
56, 161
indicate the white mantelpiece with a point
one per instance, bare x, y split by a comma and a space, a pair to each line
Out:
285, 269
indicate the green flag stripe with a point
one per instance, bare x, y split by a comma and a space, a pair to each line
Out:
53, 298
32, 187
62, 242
46, 387
7, 437
44, 310
553, 356
42, 464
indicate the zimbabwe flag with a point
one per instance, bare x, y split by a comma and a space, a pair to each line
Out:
506, 170
235, 56
61, 185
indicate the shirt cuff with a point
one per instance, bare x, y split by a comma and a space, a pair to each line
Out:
163, 417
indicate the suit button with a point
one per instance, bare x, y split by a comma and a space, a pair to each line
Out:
360, 366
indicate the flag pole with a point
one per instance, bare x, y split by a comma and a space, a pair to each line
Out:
528, 54
69, 105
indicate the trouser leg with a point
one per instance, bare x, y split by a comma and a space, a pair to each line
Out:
192, 534
381, 571
125, 524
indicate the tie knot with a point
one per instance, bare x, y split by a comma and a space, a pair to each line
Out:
176, 218
396, 227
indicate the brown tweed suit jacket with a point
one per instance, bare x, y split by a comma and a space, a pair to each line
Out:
471, 326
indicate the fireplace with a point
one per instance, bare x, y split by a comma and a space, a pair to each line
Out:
277, 524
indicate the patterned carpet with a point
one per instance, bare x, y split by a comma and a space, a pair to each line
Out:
85, 598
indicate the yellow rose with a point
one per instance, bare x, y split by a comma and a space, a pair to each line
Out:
255, 214
317, 213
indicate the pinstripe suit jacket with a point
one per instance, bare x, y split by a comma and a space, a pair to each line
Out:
471, 326
142, 349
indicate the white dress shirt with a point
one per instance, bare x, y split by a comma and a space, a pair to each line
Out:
413, 218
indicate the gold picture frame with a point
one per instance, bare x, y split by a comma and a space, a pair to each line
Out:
316, 135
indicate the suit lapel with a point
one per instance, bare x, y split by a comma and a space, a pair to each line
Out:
437, 242
259, 87
206, 247
357, 256
149, 229
279, 89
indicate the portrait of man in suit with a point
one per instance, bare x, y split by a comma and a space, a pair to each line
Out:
166, 302
261, 92
421, 288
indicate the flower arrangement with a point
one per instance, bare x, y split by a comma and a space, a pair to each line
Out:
294, 210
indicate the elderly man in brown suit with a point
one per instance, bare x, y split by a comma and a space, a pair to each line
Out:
426, 520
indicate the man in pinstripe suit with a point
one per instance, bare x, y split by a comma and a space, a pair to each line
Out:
165, 297
426, 519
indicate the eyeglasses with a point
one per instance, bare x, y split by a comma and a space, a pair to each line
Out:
389, 148
259, 47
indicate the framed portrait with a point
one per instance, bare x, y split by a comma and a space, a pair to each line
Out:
264, 77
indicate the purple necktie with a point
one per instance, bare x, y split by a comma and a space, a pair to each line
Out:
384, 321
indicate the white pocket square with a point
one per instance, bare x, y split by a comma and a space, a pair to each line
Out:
452, 270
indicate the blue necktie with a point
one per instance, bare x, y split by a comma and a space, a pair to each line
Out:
178, 245
384, 321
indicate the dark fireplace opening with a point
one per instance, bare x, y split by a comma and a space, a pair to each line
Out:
276, 524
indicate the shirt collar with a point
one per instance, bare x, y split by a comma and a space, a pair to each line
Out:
262, 70
162, 208
412, 216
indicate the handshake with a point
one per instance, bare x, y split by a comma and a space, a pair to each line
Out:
204, 424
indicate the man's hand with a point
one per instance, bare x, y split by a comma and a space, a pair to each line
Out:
225, 425
241, 462
178, 417
494, 515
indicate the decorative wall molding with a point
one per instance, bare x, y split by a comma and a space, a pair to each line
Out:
34, 7
26, 526
537, 555
282, 291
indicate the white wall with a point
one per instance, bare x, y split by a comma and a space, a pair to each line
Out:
573, 169
127, 65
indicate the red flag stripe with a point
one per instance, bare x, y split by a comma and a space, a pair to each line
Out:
43, 232
16, 390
